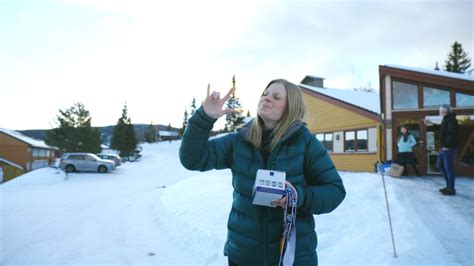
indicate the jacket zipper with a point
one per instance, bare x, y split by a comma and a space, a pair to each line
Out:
265, 209
263, 214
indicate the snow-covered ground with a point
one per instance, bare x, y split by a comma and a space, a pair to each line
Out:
157, 213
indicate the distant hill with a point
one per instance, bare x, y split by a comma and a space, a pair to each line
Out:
106, 132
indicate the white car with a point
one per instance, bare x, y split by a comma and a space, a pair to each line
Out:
110, 156
81, 161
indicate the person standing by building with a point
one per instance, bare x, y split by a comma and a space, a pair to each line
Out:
405, 145
447, 154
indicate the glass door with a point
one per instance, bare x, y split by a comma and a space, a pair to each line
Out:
432, 148
414, 127
465, 155
465, 145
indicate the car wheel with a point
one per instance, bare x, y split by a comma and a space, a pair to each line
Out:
70, 168
102, 169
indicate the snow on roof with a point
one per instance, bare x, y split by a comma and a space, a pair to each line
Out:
363, 99
11, 163
164, 133
435, 72
31, 141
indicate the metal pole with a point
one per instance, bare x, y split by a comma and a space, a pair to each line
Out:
380, 166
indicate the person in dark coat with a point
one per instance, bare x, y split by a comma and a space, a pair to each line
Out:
405, 144
447, 154
276, 139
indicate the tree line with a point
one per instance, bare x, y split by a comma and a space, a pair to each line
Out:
74, 133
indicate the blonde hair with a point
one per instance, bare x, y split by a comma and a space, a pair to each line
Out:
295, 111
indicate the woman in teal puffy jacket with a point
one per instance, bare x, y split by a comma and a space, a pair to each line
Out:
278, 140
405, 144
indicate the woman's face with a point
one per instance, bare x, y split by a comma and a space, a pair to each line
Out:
272, 104
404, 130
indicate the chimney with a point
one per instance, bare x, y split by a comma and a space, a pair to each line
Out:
313, 81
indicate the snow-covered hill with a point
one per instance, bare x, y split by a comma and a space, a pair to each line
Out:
155, 212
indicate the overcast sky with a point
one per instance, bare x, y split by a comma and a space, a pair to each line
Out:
158, 55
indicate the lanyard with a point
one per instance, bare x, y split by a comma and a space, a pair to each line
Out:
288, 240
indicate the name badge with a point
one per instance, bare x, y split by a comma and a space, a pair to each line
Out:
269, 186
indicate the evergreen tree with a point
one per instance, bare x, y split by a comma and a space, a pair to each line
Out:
458, 60
150, 135
124, 139
248, 113
235, 119
74, 132
193, 106
185, 122
366, 88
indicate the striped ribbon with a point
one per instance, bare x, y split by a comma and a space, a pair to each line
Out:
288, 240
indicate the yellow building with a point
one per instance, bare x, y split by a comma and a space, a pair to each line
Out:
20, 151
9, 170
347, 123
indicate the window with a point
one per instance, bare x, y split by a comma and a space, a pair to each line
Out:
76, 157
356, 140
89, 158
464, 100
349, 141
405, 95
39, 164
326, 140
361, 140
320, 137
434, 97
40, 153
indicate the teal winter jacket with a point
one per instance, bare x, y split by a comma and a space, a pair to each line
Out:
406, 146
254, 231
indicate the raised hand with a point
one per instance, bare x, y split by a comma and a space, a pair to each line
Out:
213, 103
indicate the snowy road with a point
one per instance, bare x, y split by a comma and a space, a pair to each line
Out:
91, 218
449, 219
127, 217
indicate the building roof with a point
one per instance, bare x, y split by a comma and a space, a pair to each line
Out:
441, 73
164, 133
369, 101
30, 141
3, 160
312, 76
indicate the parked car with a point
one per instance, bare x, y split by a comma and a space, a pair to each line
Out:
110, 156
81, 161
135, 156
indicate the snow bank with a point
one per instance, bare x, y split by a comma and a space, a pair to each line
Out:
42, 176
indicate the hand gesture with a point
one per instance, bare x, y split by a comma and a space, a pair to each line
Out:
213, 103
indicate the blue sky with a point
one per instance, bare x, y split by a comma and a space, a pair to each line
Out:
158, 55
